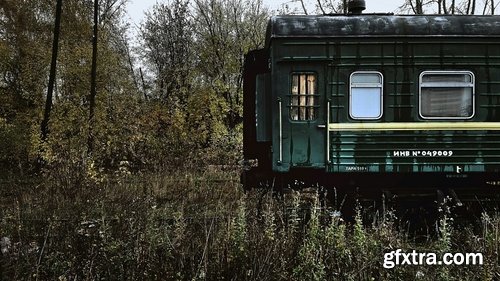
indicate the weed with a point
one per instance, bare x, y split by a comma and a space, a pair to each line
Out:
200, 226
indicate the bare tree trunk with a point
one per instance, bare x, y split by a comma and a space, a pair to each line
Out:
52, 75
303, 6
344, 6
321, 7
413, 7
93, 84
417, 8
453, 7
468, 7
473, 10
492, 7
445, 9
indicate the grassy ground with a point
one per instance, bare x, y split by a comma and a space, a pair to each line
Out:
197, 226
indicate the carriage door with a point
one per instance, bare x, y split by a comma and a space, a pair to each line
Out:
304, 138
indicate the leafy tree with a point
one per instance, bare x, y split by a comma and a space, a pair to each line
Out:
193, 52
26, 29
167, 39
25, 36
195, 58
225, 30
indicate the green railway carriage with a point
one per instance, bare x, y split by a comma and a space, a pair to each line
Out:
376, 97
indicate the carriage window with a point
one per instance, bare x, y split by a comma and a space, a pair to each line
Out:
304, 97
446, 94
365, 96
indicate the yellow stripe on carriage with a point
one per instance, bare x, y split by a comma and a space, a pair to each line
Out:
416, 126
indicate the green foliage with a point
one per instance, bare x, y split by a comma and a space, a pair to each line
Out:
310, 257
238, 233
224, 31
24, 57
167, 40
188, 106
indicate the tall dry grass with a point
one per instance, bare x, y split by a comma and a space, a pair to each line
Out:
202, 226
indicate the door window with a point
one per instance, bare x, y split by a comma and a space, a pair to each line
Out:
303, 97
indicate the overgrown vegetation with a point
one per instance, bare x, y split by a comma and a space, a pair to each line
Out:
177, 103
201, 226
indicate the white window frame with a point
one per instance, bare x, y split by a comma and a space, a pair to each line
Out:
367, 85
471, 85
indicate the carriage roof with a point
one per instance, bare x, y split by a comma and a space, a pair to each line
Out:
382, 25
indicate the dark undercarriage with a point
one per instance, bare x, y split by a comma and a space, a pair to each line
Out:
460, 187
419, 201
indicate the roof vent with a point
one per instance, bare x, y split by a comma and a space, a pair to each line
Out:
355, 7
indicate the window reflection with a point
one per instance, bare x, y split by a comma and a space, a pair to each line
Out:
365, 95
447, 95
